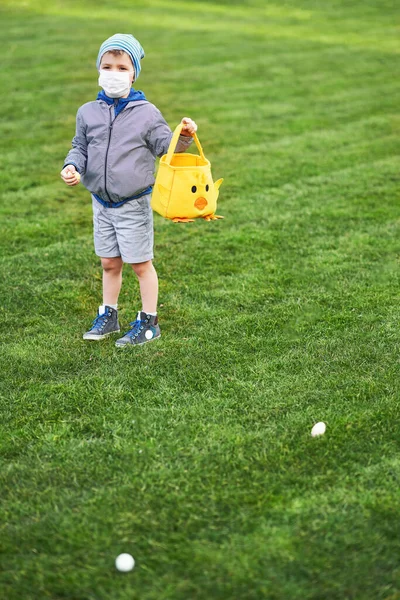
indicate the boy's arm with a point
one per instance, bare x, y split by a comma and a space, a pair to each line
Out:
160, 134
77, 156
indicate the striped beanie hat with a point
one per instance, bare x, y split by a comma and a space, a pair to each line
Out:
126, 42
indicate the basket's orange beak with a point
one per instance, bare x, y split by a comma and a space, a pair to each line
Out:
201, 203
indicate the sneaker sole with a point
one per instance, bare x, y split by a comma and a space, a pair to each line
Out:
140, 344
97, 338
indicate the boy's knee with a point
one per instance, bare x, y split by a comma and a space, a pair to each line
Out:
142, 268
111, 264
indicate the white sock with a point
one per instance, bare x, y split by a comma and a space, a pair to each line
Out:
152, 314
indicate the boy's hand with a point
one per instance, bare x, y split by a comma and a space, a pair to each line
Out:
70, 175
189, 127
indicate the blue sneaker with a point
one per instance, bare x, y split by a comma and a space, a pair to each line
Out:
104, 324
144, 329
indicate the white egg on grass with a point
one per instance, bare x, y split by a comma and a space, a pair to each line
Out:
318, 429
124, 563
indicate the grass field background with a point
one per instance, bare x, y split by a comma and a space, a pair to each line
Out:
194, 453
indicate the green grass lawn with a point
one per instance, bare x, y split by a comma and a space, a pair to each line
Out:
194, 453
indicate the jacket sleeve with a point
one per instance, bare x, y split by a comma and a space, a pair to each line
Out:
77, 156
159, 136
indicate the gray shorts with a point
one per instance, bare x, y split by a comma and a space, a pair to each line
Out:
126, 231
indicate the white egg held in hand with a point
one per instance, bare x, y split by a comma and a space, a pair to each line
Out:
318, 429
124, 563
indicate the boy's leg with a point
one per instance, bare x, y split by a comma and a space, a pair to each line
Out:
112, 279
148, 282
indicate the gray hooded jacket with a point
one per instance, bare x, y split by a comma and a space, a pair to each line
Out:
115, 155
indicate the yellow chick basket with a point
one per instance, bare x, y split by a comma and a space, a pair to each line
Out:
184, 189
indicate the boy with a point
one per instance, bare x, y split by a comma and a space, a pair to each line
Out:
117, 139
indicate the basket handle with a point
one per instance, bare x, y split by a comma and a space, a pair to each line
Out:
174, 141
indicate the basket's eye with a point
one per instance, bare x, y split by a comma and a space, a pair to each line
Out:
194, 189
207, 187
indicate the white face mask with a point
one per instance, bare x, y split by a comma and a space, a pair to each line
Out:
115, 83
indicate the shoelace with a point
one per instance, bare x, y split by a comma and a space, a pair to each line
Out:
136, 327
100, 321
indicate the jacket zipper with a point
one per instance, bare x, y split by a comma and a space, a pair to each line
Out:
108, 146
105, 161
